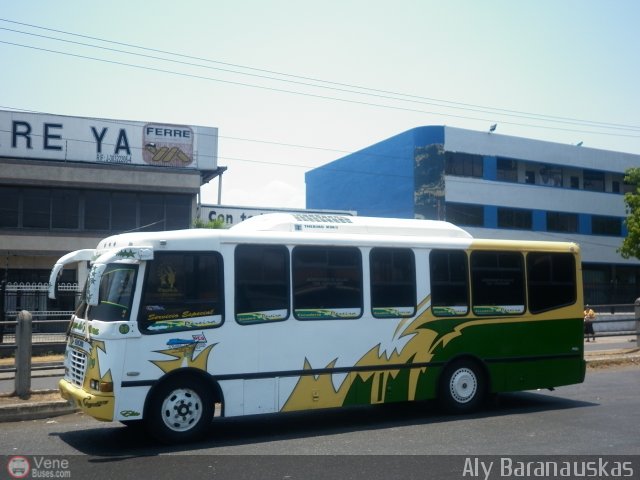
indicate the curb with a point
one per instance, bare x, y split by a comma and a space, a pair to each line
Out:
36, 409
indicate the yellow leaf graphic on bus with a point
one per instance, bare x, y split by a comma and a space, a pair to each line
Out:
318, 390
184, 356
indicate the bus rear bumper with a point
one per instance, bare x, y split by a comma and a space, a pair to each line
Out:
99, 407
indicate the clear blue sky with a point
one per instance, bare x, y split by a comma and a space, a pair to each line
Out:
460, 60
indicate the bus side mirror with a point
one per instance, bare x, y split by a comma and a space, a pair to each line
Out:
53, 280
71, 257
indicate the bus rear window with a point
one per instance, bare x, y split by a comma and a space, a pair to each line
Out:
552, 280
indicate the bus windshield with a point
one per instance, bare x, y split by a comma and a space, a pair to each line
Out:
117, 287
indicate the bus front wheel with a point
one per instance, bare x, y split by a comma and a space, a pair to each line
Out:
180, 410
462, 387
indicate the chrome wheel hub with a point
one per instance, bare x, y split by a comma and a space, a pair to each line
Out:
463, 385
181, 410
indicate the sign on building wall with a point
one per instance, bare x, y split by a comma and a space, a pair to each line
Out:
95, 140
234, 215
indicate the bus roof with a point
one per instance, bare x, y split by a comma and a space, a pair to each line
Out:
314, 228
318, 223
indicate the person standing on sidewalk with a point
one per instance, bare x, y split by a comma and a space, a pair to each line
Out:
589, 317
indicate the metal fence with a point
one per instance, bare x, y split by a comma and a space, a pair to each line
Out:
50, 317
616, 319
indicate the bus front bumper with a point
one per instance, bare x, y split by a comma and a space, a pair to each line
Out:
99, 407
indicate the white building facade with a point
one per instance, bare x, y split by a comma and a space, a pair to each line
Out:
67, 182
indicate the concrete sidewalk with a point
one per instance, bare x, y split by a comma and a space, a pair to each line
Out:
613, 358
605, 352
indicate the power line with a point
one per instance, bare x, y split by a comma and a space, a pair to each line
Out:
408, 98
323, 97
396, 96
460, 104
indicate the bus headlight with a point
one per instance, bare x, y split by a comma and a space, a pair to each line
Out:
104, 387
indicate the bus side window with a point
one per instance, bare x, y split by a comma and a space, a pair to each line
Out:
552, 280
497, 283
262, 283
449, 284
327, 283
393, 282
182, 291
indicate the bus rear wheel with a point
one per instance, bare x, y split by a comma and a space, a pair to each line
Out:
180, 410
462, 387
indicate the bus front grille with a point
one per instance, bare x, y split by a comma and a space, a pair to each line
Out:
76, 367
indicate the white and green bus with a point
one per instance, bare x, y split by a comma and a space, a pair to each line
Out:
291, 312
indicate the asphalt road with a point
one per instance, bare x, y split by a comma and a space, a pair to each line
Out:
600, 417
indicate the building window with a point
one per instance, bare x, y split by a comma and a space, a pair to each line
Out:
562, 222
393, 282
601, 225
92, 210
65, 209
593, 180
123, 212
262, 283
530, 177
507, 170
327, 283
551, 176
9, 207
97, 210
574, 182
178, 211
151, 212
615, 186
465, 214
514, 218
36, 208
464, 165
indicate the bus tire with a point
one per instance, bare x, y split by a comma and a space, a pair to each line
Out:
462, 387
179, 410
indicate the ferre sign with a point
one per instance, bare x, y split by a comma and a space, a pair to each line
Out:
79, 139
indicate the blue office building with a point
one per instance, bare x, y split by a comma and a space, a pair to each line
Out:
495, 186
